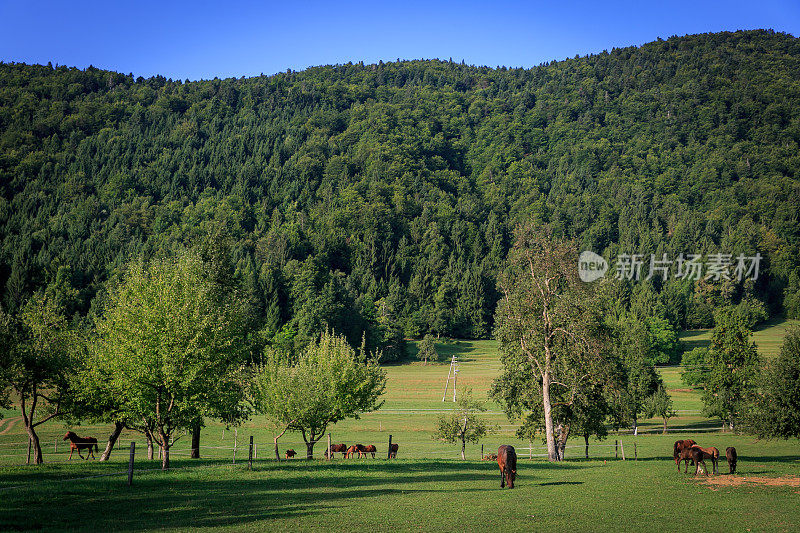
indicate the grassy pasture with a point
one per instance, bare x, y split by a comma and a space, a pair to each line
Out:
414, 494
428, 488
768, 337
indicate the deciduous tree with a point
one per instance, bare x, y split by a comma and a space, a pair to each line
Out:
548, 326
660, 404
328, 382
427, 349
464, 424
775, 412
40, 350
171, 343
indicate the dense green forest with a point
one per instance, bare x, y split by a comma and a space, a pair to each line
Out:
382, 199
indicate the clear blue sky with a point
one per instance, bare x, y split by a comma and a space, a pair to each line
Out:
199, 39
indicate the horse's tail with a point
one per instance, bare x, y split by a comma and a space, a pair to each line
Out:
96, 448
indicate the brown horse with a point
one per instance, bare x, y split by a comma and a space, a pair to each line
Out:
290, 454
337, 448
370, 448
730, 455
80, 443
393, 451
507, 461
353, 449
699, 455
681, 445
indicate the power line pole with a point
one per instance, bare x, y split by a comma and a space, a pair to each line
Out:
452, 372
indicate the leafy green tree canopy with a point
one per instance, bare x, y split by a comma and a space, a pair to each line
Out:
327, 382
776, 409
464, 424
171, 342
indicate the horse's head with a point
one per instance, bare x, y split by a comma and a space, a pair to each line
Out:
511, 475
69, 435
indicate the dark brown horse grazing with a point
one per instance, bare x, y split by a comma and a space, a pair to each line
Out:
681, 445
80, 443
290, 454
393, 451
337, 448
730, 454
507, 461
699, 455
370, 448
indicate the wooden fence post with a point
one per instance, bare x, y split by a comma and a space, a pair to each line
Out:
235, 434
130, 463
250, 458
616, 449
329, 454
635, 453
622, 450
389, 456
481, 452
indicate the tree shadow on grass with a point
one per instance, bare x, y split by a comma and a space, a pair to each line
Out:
217, 496
59, 472
768, 459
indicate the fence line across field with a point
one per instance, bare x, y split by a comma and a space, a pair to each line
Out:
252, 446
268, 448
455, 451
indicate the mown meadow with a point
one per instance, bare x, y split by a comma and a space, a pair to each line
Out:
428, 487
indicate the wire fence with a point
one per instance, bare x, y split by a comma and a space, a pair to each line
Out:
239, 450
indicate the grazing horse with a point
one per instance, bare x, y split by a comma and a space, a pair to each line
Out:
337, 448
507, 461
681, 445
393, 451
730, 454
79, 443
353, 449
699, 455
290, 454
370, 448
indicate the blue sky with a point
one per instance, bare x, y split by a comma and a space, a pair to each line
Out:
194, 40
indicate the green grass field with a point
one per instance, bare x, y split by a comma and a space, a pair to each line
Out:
428, 488
768, 336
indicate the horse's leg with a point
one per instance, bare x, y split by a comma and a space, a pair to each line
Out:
71, 449
502, 479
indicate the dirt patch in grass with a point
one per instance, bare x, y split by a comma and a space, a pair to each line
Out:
737, 481
681, 390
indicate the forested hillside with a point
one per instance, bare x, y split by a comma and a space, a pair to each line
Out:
383, 198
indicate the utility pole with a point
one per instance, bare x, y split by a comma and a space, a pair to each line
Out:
452, 372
